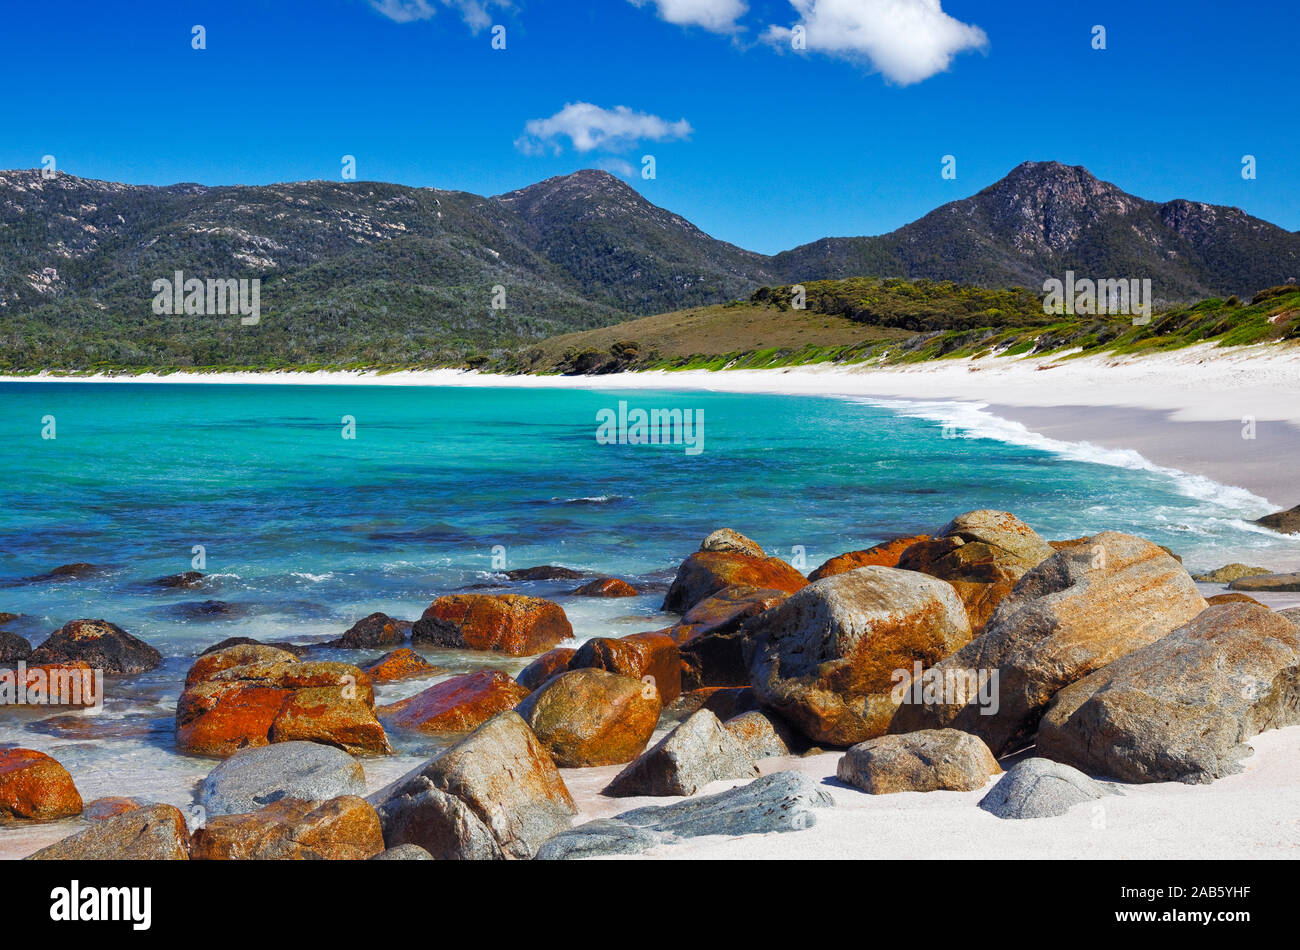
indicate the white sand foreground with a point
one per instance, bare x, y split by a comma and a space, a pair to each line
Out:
1255, 814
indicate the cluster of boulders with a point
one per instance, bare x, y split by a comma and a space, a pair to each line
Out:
928, 660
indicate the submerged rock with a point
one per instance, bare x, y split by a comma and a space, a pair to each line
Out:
35, 787
784, 801
589, 717
65, 572
705, 573
1083, 608
1181, 708
925, 761
826, 658
187, 580
341, 829
458, 704
1041, 788
697, 752
505, 623
546, 572
101, 644
885, 554
257, 777
148, 833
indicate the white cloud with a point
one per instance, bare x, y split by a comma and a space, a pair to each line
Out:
589, 127
906, 40
720, 16
475, 13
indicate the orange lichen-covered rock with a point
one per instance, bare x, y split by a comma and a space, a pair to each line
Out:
244, 654
458, 704
225, 708
606, 587
400, 664
545, 666
342, 829
51, 684
35, 786
505, 623
885, 554
321, 714
639, 655
706, 572
590, 717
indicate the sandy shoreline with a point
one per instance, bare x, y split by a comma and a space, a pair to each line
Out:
1214, 396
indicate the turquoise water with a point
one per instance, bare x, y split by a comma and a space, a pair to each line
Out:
305, 531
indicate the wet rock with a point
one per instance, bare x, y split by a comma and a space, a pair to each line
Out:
1229, 573
400, 664
606, 587
1041, 788
404, 852
506, 778
547, 572
1268, 583
982, 554
885, 554
231, 642
342, 829
697, 752
1181, 708
705, 573
377, 630
209, 664
458, 704
590, 717
51, 684
1081, 609
924, 761
101, 644
68, 572
186, 581
35, 787
827, 658
13, 647
505, 623
255, 703
257, 777
639, 655
7, 618
762, 735
206, 610
727, 541
1287, 522
549, 664
149, 833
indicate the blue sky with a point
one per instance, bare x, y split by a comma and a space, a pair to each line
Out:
757, 143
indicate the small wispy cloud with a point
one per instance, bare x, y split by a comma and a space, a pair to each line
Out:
477, 14
589, 127
905, 40
719, 16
